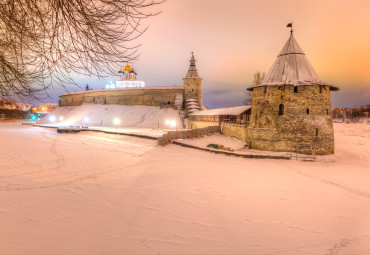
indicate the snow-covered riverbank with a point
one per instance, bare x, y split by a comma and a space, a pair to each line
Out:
94, 193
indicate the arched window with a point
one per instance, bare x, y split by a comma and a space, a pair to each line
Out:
295, 89
308, 111
281, 109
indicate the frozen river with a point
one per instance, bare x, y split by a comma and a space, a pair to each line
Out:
93, 193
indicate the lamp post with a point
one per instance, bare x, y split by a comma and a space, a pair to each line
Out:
116, 122
167, 123
173, 124
86, 119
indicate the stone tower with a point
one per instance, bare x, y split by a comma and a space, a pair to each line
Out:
291, 108
193, 83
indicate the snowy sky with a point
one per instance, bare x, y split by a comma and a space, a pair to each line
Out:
233, 39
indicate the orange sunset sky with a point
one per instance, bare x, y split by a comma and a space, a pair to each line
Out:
233, 39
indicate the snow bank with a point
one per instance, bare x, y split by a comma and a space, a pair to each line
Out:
103, 115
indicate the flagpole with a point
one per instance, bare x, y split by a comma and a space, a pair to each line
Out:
291, 28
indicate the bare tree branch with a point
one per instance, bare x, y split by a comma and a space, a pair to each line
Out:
45, 42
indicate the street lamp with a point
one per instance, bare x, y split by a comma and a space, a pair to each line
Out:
116, 122
52, 118
173, 123
86, 119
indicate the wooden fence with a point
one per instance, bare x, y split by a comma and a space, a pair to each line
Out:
187, 134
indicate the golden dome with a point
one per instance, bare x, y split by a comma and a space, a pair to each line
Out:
127, 67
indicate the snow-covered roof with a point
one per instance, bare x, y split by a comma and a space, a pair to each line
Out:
224, 111
117, 89
191, 100
192, 103
292, 67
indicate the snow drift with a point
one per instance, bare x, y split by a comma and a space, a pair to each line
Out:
103, 115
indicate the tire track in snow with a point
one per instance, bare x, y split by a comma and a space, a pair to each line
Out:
337, 185
327, 182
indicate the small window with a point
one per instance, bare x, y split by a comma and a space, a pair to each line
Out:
308, 111
295, 89
281, 109
192, 90
317, 132
265, 90
320, 89
327, 112
168, 102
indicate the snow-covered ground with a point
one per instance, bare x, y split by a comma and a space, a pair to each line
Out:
96, 115
94, 193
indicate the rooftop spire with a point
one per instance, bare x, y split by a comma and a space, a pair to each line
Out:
192, 72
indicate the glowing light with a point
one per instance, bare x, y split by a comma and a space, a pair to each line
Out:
167, 122
110, 85
33, 117
61, 118
173, 123
52, 118
86, 119
116, 121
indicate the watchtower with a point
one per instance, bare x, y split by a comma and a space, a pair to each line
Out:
193, 83
291, 108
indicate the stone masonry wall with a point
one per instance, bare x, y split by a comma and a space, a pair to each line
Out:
193, 89
306, 121
234, 130
202, 124
132, 96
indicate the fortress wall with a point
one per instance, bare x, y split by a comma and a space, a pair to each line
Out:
202, 124
129, 96
234, 130
295, 130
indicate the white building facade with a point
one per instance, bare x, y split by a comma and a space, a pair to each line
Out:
127, 79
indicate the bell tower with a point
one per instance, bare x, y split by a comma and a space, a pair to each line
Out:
193, 83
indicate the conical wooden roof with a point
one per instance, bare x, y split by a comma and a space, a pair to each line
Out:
292, 67
192, 72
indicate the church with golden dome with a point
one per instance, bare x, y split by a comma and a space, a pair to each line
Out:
127, 79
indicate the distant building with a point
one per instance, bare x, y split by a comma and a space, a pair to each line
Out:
127, 79
11, 105
129, 91
46, 108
